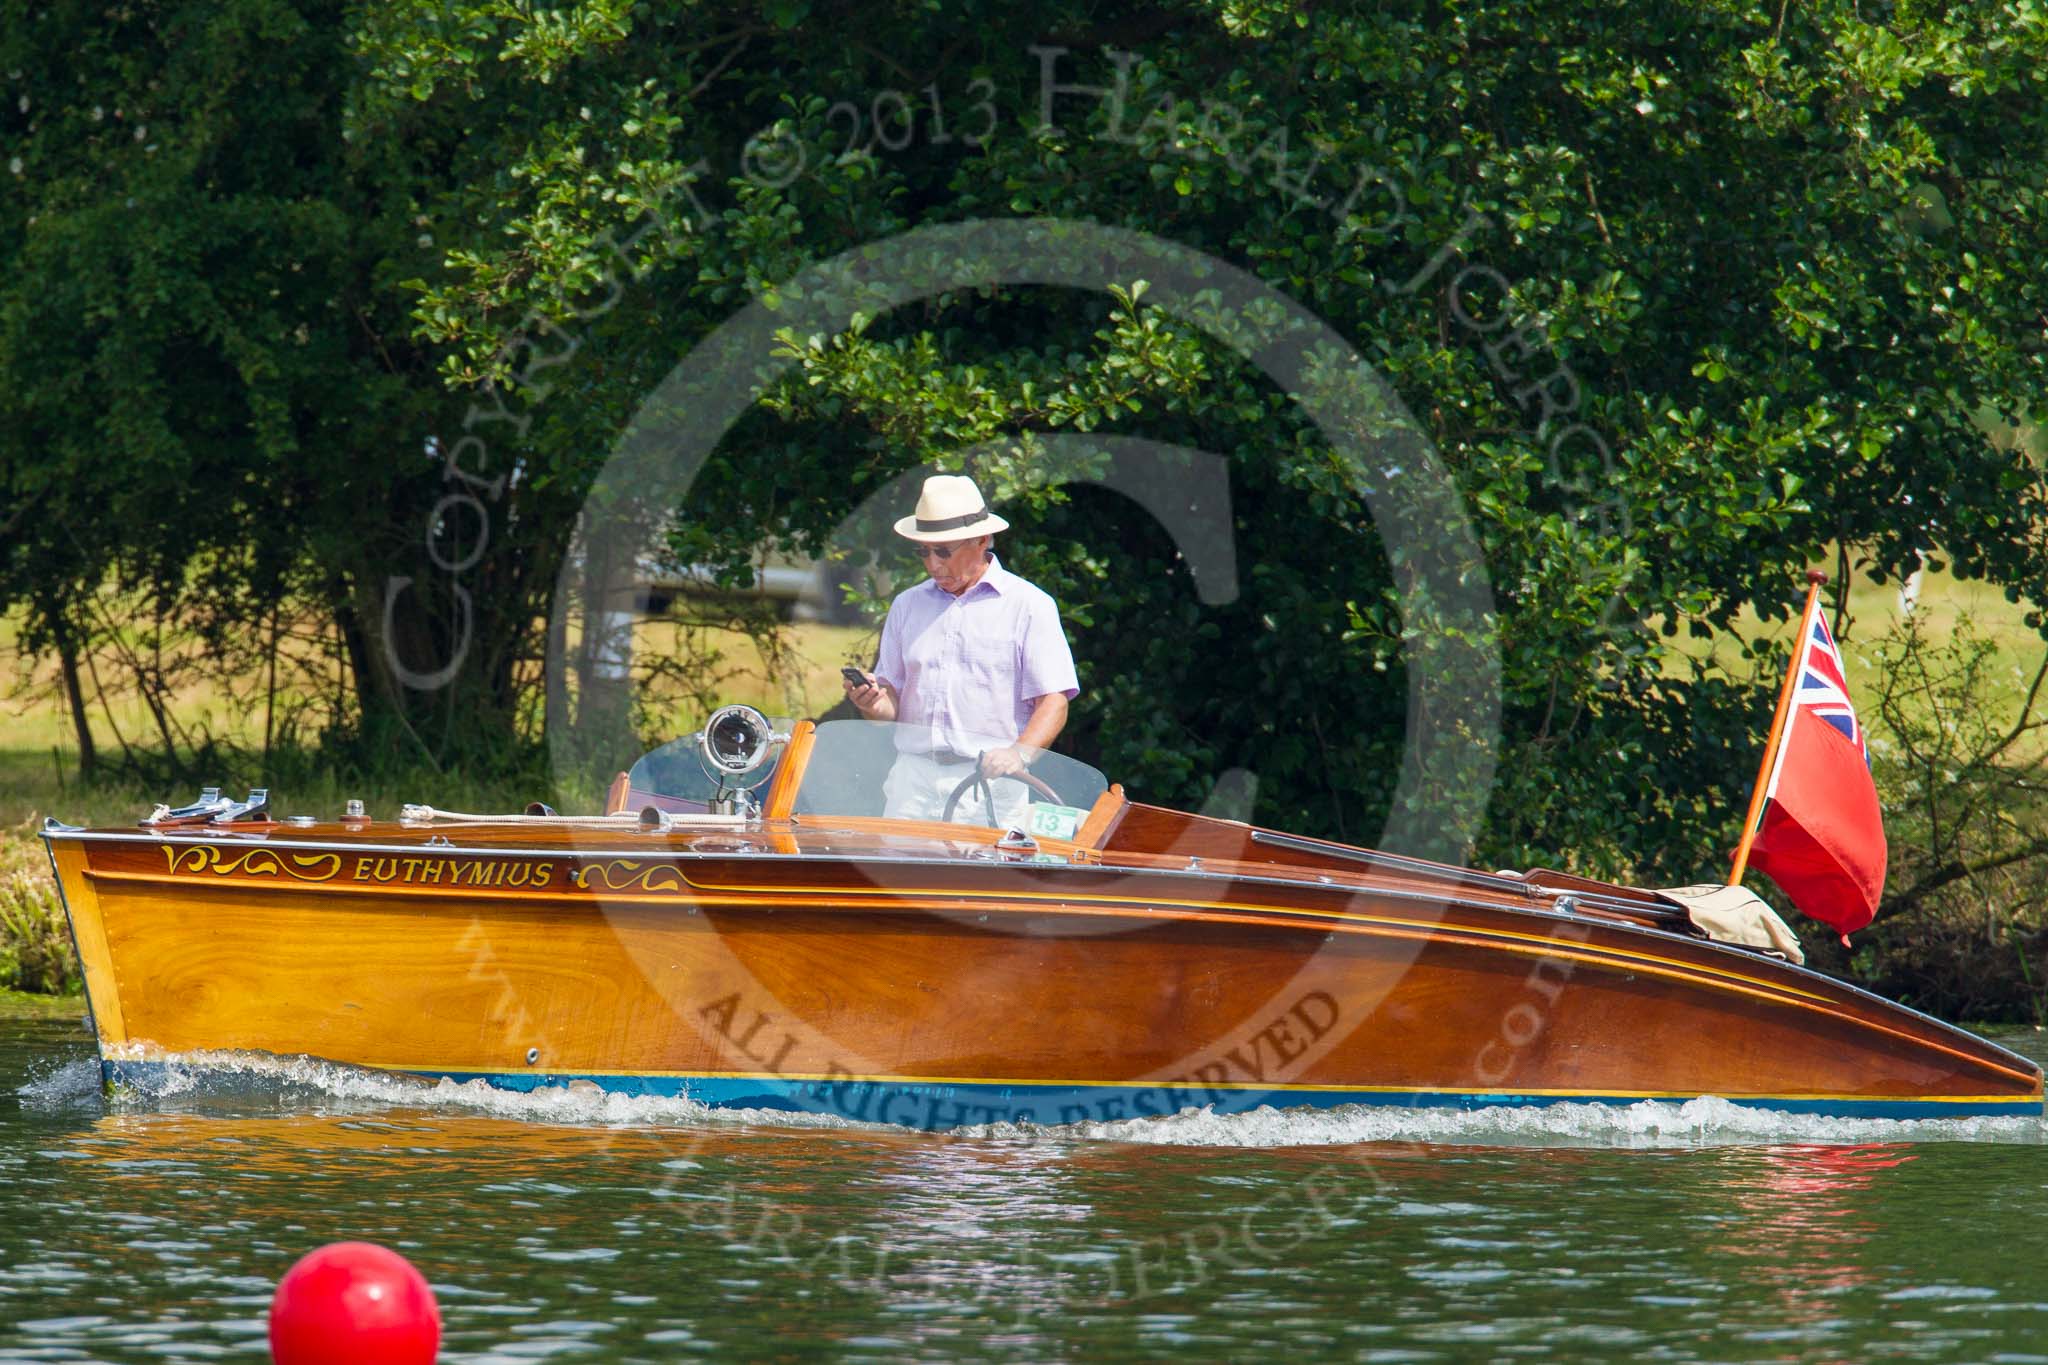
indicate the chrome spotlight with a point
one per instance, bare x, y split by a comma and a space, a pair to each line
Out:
736, 741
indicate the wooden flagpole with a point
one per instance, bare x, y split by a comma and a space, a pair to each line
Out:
1814, 578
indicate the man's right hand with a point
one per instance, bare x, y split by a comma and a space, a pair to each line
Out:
869, 698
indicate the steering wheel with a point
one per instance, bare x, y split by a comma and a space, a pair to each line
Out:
988, 794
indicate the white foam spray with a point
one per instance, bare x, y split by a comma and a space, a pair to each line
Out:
296, 1083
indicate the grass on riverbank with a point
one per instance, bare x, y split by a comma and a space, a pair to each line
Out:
1875, 614
33, 1005
35, 939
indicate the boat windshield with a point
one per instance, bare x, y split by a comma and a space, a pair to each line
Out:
851, 763
848, 774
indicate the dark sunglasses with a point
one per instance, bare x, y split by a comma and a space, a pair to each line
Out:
947, 551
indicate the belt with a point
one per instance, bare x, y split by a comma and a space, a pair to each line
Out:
946, 758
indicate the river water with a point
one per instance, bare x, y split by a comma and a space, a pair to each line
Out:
586, 1228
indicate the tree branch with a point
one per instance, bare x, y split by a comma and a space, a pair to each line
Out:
2021, 724
739, 45
1955, 872
1599, 219
21, 509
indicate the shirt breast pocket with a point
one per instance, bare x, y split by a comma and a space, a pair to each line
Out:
988, 660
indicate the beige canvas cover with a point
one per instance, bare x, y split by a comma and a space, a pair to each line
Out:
1733, 914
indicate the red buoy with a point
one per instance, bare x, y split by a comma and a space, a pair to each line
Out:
352, 1303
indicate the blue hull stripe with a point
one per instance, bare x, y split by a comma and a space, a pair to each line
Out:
939, 1105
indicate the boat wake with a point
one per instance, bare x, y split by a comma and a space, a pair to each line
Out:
63, 1086
1704, 1122
230, 1081
239, 1081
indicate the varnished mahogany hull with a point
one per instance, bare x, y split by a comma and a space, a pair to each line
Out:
940, 991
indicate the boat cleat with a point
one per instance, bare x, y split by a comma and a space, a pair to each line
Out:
1016, 841
256, 808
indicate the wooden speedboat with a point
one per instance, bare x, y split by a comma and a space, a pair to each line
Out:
747, 928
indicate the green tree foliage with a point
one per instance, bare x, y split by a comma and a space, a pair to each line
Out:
212, 396
1772, 261
1778, 258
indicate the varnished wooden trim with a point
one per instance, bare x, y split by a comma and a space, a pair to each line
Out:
940, 830
796, 757
1102, 817
89, 935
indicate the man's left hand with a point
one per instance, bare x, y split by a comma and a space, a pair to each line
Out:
1002, 762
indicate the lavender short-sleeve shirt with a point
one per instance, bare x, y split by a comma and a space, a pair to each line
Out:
967, 669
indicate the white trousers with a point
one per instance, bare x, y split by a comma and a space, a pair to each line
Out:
917, 788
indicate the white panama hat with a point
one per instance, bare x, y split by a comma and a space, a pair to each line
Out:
950, 508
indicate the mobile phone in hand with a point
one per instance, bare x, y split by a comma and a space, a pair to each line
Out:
853, 676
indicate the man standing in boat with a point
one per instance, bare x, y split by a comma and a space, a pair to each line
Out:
973, 663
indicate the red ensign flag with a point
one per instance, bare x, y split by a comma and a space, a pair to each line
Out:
1822, 839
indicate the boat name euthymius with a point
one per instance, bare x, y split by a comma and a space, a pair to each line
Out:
450, 872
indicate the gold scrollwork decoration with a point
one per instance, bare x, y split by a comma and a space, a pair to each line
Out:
254, 862
631, 874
